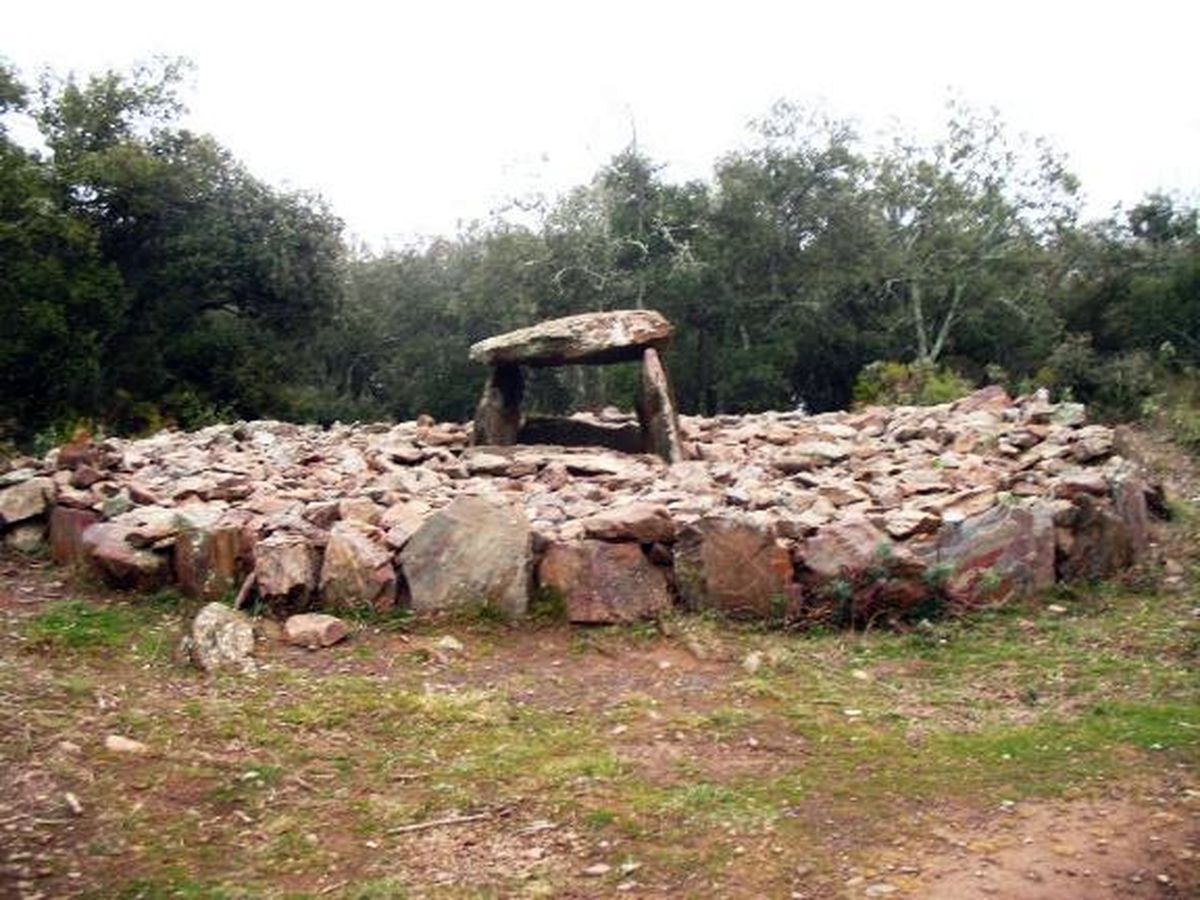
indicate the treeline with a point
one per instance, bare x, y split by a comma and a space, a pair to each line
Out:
146, 278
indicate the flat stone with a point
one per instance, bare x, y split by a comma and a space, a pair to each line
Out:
642, 522
845, 546
603, 582
471, 554
1007, 550
604, 337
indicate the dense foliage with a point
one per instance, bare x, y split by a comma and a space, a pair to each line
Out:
147, 278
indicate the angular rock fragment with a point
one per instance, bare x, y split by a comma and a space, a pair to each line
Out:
845, 546
67, 526
357, 571
469, 555
285, 569
212, 553
1005, 550
603, 582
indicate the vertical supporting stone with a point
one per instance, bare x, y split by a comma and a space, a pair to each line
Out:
656, 410
498, 416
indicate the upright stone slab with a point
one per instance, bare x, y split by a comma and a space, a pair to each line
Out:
469, 555
498, 416
656, 410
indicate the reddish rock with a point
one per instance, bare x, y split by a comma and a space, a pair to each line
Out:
211, 558
603, 582
993, 398
733, 566
642, 522
357, 571
107, 548
66, 534
314, 630
1006, 550
1098, 543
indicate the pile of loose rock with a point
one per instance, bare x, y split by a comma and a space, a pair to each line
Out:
771, 514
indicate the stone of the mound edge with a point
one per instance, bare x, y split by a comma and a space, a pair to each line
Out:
471, 554
603, 337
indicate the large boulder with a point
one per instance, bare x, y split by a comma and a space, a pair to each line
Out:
732, 565
357, 572
25, 500
604, 582
605, 337
472, 553
106, 546
221, 638
1008, 549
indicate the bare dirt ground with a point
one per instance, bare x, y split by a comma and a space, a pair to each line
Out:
1046, 750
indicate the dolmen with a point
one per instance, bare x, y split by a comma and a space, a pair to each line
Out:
626, 335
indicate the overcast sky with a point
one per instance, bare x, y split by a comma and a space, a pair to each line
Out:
412, 117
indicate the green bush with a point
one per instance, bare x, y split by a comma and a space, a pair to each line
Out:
908, 384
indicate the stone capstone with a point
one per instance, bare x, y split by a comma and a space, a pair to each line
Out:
471, 554
587, 338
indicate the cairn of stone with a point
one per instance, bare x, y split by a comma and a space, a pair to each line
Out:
588, 339
773, 513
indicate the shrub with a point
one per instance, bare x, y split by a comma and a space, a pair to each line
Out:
908, 384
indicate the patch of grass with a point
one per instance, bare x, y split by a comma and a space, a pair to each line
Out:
76, 625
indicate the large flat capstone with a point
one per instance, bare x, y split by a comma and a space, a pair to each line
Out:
605, 337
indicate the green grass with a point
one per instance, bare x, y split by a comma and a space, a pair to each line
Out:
291, 772
78, 625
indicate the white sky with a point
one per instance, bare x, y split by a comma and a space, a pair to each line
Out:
412, 117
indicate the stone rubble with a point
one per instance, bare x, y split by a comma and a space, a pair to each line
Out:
769, 514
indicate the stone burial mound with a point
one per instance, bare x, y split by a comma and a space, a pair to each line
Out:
840, 516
